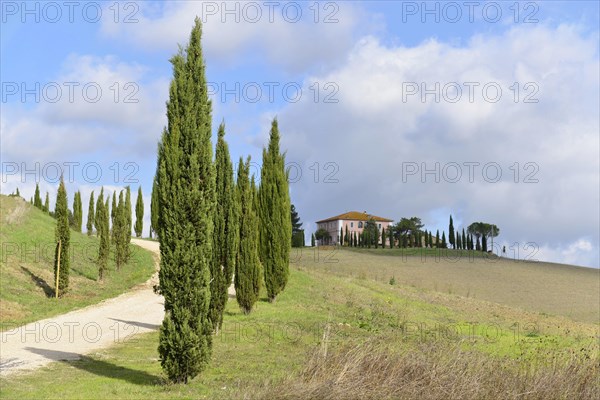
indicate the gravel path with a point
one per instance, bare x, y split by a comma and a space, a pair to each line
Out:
68, 336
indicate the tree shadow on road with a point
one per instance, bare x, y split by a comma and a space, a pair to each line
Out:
99, 367
138, 324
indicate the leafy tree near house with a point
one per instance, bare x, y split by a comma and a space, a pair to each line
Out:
346, 237
247, 267
451, 237
274, 222
91, 213
341, 237
139, 214
186, 200
322, 235
226, 232
391, 236
483, 243
62, 237
383, 237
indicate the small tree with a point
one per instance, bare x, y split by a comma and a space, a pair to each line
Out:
391, 236
451, 237
37, 200
341, 237
129, 220
139, 213
113, 217
63, 238
47, 203
322, 235
91, 213
312, 239
444, 244
103, 233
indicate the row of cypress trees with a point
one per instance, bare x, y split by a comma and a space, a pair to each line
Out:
209, 227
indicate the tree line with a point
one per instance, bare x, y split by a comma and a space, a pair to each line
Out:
212, 228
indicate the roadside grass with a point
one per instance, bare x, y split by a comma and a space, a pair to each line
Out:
548, 288
335, 336
27, 267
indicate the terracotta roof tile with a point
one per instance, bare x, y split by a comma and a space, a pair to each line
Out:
355, 216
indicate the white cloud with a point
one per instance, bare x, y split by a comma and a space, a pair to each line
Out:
373, 130
294, 45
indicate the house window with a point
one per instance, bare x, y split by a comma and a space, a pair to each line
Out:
360, 224
351, 224
379, 226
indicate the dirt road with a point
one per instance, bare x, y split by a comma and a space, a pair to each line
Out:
68, 336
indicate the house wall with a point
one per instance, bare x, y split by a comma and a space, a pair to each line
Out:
333, 227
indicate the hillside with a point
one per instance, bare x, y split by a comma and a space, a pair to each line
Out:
27, 262
335, 336
546, 288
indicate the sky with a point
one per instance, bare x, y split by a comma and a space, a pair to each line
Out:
485, 110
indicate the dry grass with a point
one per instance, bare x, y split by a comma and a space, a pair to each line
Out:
435, 370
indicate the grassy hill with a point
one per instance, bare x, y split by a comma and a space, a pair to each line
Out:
27, 267
339, 335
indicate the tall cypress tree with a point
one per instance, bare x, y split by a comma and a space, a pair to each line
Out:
113, 216
129, 220
37, 200
437, 239
225, 232
186, 196
341, 238
153, 209
247, 267
139, 213
458, 241
119, 235
312, 239
77, 212
464, 239
444, 244
91, 213
103, 233
63, 237
451, 237
47, 203
274, 222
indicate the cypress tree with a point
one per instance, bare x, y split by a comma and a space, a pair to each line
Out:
247, 265
274, 222
90, 220
464, 239
113, 216
312, 240
451, 237
186, 195
103, 233
444, 244
139, 213
119, 234
37, 200
129, 220
346, 237
62, 236
77, 212
458, 242
225, 232
391, 236
31, 200
341, 238
153, 209
46, 203
382, 237
483, 243
437, 239
19, 194
430, 240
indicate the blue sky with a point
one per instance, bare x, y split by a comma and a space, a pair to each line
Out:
362, 122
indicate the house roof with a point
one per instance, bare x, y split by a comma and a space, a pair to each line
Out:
355, 216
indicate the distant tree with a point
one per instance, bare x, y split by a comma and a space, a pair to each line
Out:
458, 241
119, 232
464, 239
247, 267
99, 208
451, 237
295, 218
312, 239
407, 226
62, 237
372, 232
139, 213
438, 243
37, 200
346, 237
444, 244
77, 212
478, 244
341, 237
19, 194
391, 236
91, 213
322, 235
47, 203
484, 243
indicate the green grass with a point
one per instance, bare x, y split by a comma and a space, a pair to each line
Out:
553, 289
27, 267
271, 346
